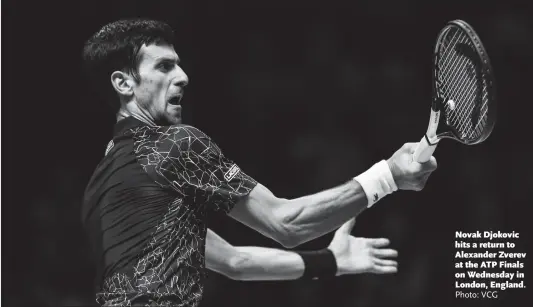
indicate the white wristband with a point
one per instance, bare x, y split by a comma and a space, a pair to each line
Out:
377, 182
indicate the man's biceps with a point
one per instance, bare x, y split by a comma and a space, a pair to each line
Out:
218, 253
216, 247
213, 239
258, 202
261, 196
260, 211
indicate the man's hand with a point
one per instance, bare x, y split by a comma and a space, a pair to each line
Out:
361, 255
409, 174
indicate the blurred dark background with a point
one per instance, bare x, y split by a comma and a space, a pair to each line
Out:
303, 96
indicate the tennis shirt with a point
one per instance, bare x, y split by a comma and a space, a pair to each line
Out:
145, 209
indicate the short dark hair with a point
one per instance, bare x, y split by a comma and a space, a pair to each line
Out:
116, 47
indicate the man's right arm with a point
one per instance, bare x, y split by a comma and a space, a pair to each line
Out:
296, 221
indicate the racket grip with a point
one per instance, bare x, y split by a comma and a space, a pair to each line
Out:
423, 151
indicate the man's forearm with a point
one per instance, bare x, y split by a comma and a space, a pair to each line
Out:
312, 216
259, 263
251, 262
293, 222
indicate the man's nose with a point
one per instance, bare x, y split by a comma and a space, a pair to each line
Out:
181, 79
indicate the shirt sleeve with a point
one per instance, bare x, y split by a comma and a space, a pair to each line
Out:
188, 161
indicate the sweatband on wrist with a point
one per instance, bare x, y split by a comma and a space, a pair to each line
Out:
377, 182
318, 264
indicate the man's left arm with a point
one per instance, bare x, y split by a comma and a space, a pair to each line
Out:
251, 262
352, 256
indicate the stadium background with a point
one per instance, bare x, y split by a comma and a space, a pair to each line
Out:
303, 96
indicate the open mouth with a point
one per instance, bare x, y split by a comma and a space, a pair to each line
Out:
175, 101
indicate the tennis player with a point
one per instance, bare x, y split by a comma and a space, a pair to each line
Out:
146, 205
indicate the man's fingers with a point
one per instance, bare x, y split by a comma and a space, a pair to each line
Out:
425, 167
380, 242
348, 226
383, 253
425, 178
385, 262
429, 166
422, 180
410, 147
384, 269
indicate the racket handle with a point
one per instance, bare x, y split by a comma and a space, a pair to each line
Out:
423, 151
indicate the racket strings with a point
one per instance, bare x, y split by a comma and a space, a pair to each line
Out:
458, 77
462, 88
458, 80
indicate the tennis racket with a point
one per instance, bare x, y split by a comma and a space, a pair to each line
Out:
464, 105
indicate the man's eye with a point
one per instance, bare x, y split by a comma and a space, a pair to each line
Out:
166, 66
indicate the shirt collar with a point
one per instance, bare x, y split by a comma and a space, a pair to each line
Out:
126, 124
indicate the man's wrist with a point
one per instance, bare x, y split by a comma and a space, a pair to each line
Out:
319, 264
377, 182
338, 272
393, 169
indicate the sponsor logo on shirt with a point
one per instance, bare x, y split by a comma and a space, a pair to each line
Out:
232, 172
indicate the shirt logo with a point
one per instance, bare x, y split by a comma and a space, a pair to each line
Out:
109, 147
232, 172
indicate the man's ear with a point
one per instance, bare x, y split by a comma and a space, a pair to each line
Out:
122, 83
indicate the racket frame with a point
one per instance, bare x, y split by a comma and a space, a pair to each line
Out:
438, 128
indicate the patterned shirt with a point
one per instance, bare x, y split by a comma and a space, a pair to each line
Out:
145, 210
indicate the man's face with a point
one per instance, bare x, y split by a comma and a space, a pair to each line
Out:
161, 84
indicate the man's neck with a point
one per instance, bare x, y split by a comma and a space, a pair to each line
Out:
133, 110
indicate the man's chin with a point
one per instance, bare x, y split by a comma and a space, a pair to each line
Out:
174, 120
173, 115
169, 120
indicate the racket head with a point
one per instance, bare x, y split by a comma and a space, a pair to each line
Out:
463, 75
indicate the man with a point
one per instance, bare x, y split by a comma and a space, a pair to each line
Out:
146, 205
